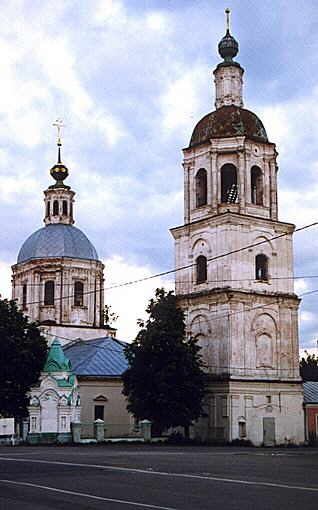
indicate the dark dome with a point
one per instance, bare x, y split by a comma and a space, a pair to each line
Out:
228, 47
226, 122
57, 241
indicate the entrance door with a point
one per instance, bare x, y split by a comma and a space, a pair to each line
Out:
269, 431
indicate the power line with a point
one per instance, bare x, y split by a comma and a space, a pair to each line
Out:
298, 277
170, 271
225, 315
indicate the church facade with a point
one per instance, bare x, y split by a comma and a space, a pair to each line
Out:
58, 280
236, 266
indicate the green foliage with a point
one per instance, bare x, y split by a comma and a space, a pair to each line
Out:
309, 367
22, 356
110, 317
164, 382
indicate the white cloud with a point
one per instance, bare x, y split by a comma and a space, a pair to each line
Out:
5, 280
181, 100
129, 301
307, 316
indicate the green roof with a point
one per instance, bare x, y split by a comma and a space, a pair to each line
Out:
56, 360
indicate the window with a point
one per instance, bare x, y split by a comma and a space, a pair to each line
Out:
229, 188
269, 399
261, 267
63, 422
256, 186
78, 294
99, 412
48, 209
49, 293
64, 207
33, 424
201, 269
242, 429
24, 296
55, 208
201, 187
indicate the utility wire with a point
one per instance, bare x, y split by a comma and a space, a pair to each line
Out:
170, 271
299, 277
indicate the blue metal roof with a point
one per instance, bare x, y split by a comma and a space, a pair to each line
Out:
57, 241
99, 357
311, 392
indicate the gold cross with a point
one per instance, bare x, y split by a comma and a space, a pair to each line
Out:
59, 125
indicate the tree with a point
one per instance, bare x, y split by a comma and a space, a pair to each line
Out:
22, 356
309, 367
110, 317
165, 381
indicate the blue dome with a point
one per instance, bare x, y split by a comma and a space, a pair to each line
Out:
57, 241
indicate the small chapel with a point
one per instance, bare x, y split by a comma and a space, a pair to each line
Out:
233, 252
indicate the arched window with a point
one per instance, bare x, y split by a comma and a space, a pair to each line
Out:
48, 209
229, 188
261, 267
201, 187
201, 269
256, 186
49, 293
65, 207
78, 294
55, 208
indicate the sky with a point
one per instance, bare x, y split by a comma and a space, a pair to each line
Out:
130, 79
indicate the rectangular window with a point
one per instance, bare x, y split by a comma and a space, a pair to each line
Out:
224, 407
63, 422
242, 429
78, 294
99, 413
33, 424
49, 293
24, 296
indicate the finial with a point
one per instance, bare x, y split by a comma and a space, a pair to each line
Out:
227, 12
59, 125
228, 46
59, 171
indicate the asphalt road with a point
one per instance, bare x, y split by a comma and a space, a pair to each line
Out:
127, 477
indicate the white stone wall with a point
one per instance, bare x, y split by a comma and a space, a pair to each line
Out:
243, 154
64, 272
228, 404
228, 81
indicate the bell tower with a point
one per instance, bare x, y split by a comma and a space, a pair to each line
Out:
236, 285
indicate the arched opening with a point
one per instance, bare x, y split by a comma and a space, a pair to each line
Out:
48, 208
55, 208
229, 188
78, 294
201, 269
49, 293
201, 187
256, 186
261, 267
64, 207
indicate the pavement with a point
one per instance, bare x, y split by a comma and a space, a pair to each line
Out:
132, 477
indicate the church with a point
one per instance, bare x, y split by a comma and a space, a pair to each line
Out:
232, 251
230, 254
58, 281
